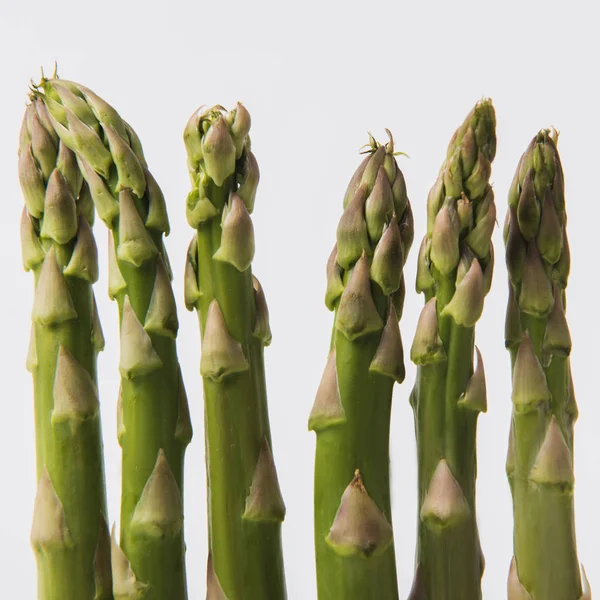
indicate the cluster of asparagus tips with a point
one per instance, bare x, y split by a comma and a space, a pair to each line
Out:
70, 532
454, 273
153, 418
351, 412
540, 457
245, 503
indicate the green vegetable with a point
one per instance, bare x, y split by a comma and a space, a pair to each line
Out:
540, 458
454, 272
351, 413
70, 532
244, 500
154, 426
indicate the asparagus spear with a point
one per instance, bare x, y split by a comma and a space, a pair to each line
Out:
540, 460
69, 533
244, 500
351, 413
154, 426
454, 273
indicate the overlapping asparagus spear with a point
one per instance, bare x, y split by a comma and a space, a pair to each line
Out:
244, 500
154, 426
540, 458
351, 413
70, 533
454, 272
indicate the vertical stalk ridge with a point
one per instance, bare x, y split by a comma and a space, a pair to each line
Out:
352, 409
153, 416
540, 460
454, 272
69, 533
245, 506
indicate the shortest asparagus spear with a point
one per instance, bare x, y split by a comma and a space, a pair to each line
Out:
540, 457
351, 413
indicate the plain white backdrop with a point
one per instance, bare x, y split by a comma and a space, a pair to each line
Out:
316, 76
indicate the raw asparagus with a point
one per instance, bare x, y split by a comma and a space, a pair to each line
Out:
70, 532
454, 272
154, 426
245, 505
540, 458
351, 413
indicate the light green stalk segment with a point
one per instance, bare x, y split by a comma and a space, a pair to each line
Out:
351, 414
540, 461
69, 533
454, 272
244, 500
154, 427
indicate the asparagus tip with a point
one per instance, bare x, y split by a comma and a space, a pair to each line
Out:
159, 512
49, 528
262, 328
445, 504
52, 303
530, 388
427, 346
327, 409
125, 582
237, 236
475, 396
389, 357
138, 356
335, 285
84, 259
554, 464
222, 354
264, 501
357, 314
31, 362
116, 281
360, 528
136, 245
161, 318
191, 292
75, 393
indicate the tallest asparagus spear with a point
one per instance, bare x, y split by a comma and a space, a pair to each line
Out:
154, 427
244, 500
454, 272
69, 534
351, 414
540, 459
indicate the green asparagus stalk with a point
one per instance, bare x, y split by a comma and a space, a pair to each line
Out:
70, 532
352, 409
454, 272
540, 458
154, 426
245, 506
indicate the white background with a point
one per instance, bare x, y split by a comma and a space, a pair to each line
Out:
315, 77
